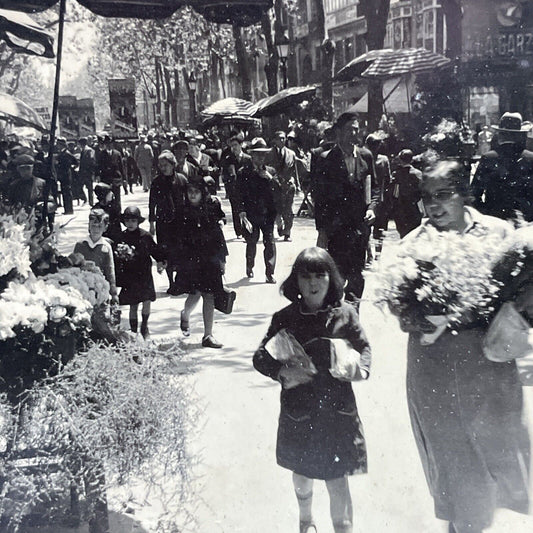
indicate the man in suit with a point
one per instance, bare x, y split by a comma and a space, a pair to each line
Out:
87, 168
503, 182
66, 162
257, 194
283, 161
345, 195
110, 168
233, 158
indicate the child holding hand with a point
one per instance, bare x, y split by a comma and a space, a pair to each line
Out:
314, 348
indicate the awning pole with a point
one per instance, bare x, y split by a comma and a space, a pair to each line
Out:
53, 122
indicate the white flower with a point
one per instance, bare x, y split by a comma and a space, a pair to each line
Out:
57, 313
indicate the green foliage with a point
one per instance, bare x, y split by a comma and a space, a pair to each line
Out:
119, 409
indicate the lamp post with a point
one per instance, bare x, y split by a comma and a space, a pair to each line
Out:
192, 84
282, 46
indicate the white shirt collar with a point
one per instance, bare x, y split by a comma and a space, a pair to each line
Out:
93, 244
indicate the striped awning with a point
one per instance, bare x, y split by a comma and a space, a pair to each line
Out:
359, 64
281, 101
230, 107
404, 61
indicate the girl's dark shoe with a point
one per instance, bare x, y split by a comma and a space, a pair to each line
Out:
211, 342
184, 326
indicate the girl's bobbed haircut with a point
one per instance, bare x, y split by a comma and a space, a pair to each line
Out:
315, 260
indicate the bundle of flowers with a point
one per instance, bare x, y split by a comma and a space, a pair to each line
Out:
35, 303
442, 273
124, 251
449, 137
14, 250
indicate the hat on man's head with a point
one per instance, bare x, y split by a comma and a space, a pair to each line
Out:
62, 140
343, 118
258, 145
405, 157
181, 144
102, 190
23, 159
132, 212
512, 123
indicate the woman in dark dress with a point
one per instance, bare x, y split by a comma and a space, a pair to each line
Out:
133, 255
466, 411
320, 435
203, 257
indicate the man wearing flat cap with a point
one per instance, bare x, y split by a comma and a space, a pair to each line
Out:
503, 182
346, 194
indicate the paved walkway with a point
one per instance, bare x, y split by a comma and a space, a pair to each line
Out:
239, 487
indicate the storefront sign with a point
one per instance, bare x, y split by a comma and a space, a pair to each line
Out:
123, 108
497, 28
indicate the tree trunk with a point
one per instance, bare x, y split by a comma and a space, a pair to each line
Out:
176, 94
169, 95
243, 64
454, 34
376, 13
328, 61
157, 90
272, 65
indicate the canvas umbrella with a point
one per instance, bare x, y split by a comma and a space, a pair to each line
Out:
356, 66
283, 100
23, 34
229, 107
16, 112
404, 61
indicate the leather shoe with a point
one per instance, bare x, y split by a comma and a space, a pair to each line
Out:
211, 342
287, 238
184, 326
270, 279
250, 273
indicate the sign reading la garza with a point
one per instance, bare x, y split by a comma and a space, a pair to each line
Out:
497, 28
123, 108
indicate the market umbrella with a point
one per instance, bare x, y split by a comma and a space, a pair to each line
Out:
230, 107
231, 120
404, 61
286, 98
18, 113
359, 64
23, 34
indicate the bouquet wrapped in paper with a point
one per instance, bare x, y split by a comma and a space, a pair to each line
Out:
284, 347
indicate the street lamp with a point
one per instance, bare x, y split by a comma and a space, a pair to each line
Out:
192, 84
282, 46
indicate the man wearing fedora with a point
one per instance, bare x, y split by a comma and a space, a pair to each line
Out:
258, 197
503, 182
110, 167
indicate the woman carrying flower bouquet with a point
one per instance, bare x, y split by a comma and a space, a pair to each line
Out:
466, 411
314, 348
134, 253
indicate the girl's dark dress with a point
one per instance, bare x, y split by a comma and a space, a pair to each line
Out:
135, 275
320, 435
203, 248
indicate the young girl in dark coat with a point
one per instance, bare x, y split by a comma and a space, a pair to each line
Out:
134, 253
320, 434
203, 258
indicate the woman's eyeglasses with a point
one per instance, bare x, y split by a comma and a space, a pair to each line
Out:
439, 196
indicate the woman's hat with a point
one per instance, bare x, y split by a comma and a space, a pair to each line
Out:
132, 212
512, 123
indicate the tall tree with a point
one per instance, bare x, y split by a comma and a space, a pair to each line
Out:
376, 13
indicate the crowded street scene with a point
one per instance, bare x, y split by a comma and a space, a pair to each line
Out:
266, 266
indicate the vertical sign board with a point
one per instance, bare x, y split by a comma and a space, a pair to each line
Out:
87, 121
68, 118
123, 108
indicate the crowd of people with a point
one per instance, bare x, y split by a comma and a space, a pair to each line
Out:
472, 443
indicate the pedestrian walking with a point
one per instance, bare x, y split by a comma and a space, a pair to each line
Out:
110, 168
405, 194
133, 259
203, 257
165, 204
283, 161
466, 411
87, 168
503, 182
66, 162
258, 198
320, 434
345, 194
144, 157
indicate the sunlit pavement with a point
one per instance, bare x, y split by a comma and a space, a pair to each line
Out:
238, 485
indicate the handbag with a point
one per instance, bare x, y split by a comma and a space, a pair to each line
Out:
224, 300
508, 336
